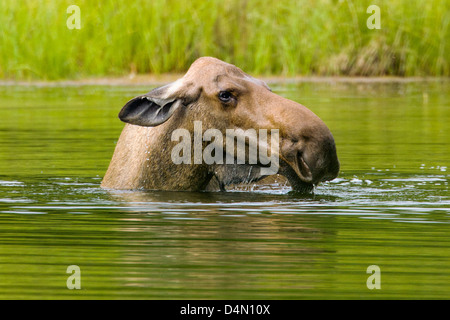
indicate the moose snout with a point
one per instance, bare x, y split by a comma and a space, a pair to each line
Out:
308, 150
320, 158
310, 161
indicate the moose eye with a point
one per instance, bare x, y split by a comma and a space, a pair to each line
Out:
225, 96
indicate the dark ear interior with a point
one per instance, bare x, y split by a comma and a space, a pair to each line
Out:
148, 112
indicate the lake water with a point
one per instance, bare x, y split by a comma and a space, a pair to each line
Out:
390, 206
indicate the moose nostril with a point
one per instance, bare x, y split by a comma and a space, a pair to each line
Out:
303, 166
318, 162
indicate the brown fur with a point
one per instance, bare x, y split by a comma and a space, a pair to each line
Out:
142, 158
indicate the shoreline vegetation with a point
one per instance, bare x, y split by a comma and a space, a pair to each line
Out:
162, 79
286, 38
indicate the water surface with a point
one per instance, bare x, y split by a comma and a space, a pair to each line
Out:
389, 207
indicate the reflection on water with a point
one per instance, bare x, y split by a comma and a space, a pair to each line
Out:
389, 207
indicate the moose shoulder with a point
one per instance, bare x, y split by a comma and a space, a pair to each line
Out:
169, 130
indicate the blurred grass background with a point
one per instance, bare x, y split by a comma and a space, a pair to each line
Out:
284, 37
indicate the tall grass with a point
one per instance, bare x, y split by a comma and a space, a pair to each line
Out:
286, 37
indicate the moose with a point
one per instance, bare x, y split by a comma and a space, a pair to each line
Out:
222, 97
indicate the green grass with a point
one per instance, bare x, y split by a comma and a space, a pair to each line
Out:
284, 37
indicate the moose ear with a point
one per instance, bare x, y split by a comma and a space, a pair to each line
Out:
148, 111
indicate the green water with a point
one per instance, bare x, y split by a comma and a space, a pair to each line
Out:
389, 207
